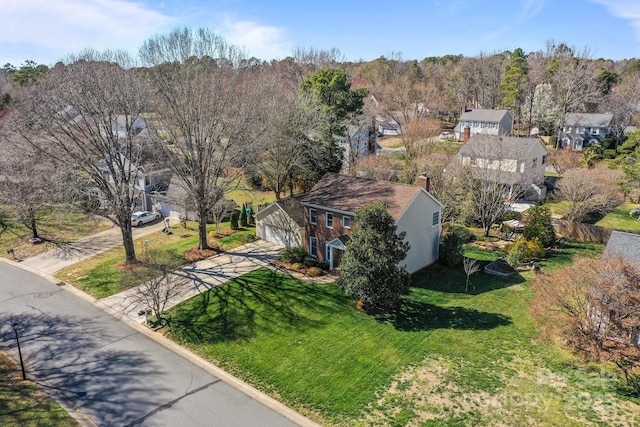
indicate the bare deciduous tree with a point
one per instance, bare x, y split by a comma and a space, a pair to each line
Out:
588, 192
470, 266
208, 107
84, 115
563, 161
594, 302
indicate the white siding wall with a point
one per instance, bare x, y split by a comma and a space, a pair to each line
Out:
423, 237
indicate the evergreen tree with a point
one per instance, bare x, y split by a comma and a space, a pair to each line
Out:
234, 220
369, 270
511, 86
243, 216
539, 224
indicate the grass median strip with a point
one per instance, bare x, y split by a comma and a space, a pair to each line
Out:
104, 275
22, 403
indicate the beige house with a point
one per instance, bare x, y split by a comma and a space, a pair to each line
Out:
518, 162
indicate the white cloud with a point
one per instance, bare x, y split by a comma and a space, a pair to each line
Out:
625, 9
261, 41
62, 27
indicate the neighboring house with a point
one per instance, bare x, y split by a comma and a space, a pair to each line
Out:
330, 207
358, 145
626, 245
582, 129
125, 124
282, 222
485, 122
388, 127
517, 162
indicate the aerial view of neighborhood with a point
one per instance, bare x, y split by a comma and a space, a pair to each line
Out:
191, 235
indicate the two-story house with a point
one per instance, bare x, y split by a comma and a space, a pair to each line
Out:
330, 207
517, 162
484, 122
582, 129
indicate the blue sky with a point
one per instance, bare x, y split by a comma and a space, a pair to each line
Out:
48, 30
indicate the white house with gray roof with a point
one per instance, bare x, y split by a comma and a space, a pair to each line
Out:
582, 129
484, 122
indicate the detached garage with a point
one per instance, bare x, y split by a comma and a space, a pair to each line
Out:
281, 223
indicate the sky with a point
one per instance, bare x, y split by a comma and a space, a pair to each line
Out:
47, 31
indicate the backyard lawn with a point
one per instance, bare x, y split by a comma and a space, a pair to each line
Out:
103, 275
620, 219
23, 403
445, 358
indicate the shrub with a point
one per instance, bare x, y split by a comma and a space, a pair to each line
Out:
535, 249
324, 265
234, 220
517, 254
293, 255
309, 262
296, 266
609, 154
523, 250
314, 272
465, 234
553, 140
451, 252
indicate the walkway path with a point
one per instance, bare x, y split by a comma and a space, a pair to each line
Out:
199, 277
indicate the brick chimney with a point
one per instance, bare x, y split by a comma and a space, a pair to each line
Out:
466, 134
424, 181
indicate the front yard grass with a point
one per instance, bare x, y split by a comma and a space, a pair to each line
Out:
102, 275
22, 403
445, 358
53, 225
619, 219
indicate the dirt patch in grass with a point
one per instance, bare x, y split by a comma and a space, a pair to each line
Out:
195, 254
531, 396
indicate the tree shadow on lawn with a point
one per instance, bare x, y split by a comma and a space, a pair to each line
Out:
255, 303
415, 316
438, 277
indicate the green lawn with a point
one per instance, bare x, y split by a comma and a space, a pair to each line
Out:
60, 226
22, 403
446, 358
619, 219
103, 275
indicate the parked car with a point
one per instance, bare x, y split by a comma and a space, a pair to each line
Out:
446, 135
139, 218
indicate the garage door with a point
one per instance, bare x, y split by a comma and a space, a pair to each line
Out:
280, 236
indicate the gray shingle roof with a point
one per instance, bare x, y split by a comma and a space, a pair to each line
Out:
484, 115
588, 119
624, 244
499, 147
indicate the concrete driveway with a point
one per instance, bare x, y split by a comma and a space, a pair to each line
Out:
198, 278
51, 261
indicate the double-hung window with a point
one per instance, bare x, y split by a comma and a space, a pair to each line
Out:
313, 216
346, 222
329, 220
313, 247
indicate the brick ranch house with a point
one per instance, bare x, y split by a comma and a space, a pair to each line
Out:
329, 210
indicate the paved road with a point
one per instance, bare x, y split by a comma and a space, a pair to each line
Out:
56, 259
198, 278
114, 374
